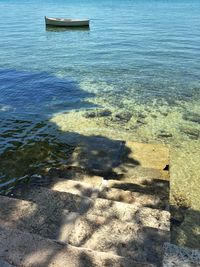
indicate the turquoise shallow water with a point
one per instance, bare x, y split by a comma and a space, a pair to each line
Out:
140, 56
140, 49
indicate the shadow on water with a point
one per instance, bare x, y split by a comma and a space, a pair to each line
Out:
27, 100
95, 155
27, 141
91, 155
84, 155
39, 93
65, 29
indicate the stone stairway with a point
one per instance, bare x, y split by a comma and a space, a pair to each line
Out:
85, 215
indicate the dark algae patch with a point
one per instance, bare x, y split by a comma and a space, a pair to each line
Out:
27, 148
191, 116
31, 158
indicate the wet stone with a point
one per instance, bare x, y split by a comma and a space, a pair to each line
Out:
164, 134
141, 121
164, 113
153, 115
142, 115
104, 113
190, 132
135, 127
98, 154
90, 114
124, 116
145, 140
98, 113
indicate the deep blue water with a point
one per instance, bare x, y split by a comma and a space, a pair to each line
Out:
39, 93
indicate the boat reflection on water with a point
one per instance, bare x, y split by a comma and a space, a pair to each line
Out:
63, 29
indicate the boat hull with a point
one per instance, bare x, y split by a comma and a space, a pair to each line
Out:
66, 22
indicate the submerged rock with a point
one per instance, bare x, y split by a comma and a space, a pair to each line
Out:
190, 116
90, 114
124, 116
141, 121
190, 132
141, 115
145, 140
164, 134
153, 115
104, 113
164, 113
98, 113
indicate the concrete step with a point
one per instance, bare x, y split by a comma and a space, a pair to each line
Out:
154, 156
126, 173
110, 209
132, 173
130, 239
124, 239
103, 156
29, 250
150, 186
155, 183
103, 191
146, 186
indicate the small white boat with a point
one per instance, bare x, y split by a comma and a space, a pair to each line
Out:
67, 22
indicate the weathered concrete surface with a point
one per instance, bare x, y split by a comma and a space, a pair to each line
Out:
88, 215
130, 174
108, 158
110, 209
129, 240
155, 156
153, 185
97, 152
28, 250
90, 231
175, 256
147, 187
73, 173
150, 185
49, 220
99, 155
129, 213
102, 191
123, 173
75, 187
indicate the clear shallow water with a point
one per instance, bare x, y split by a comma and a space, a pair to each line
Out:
141, 49
140, 56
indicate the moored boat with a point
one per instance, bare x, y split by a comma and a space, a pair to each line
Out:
66, 22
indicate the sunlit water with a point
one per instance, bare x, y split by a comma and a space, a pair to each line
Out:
138, 56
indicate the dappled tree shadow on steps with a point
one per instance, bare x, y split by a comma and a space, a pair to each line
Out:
91, 155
